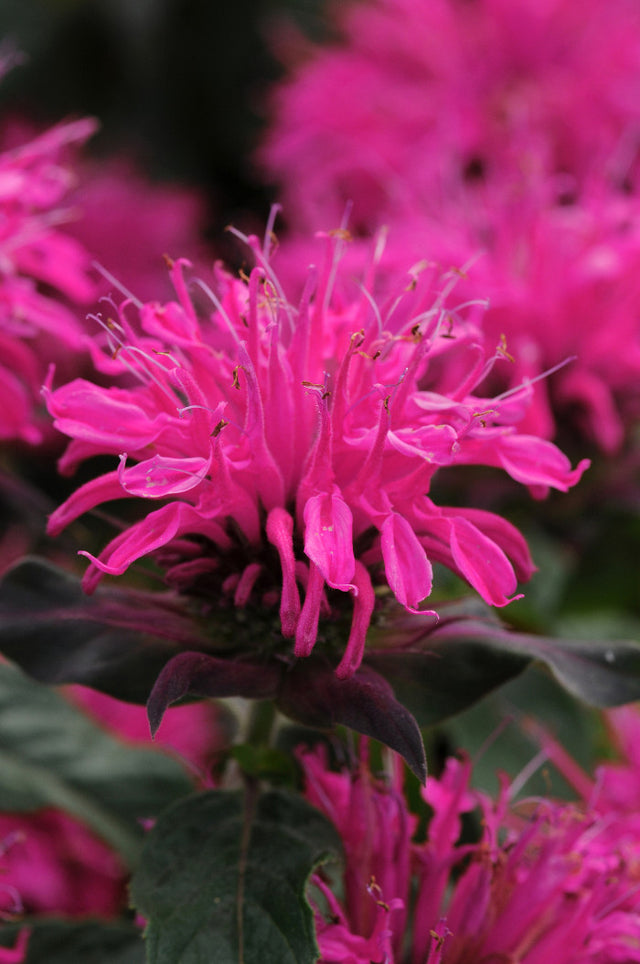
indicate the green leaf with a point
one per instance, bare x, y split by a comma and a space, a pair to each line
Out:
52, 754
446, 677
90, 942
218, 872
603, 673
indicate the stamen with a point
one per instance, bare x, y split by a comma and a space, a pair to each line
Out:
265, 264
269, 233
526, 773
215, 301
341, 236
117, 284
537, 378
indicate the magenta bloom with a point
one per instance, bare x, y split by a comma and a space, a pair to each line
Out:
196, 733
420, 96
562, 283
53, 864
129, 223
461, 125
261, 433
43, 271
59, 214
539, 886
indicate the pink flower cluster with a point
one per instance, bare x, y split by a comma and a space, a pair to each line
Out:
43, 271
57, 215
501, 128
562, 282
546, 882
258, 431
419, 97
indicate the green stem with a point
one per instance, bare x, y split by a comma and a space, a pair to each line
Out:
261, 722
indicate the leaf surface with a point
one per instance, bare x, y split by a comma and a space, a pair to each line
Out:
222, 874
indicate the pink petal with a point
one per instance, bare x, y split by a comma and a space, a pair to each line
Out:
534, 461
408, 570
431, 442
106, 417
307, 628
246, 583
504, 534
280, 534
160, 476
87, 497
363, 605
159, 528
483, 564
328, 539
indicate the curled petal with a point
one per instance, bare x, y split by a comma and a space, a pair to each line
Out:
160, 476
307, 628
88, 496
408, 570
104, 417
435, 443
482, 563
246, 583
535, 461
329, 539
159, 528
504, 534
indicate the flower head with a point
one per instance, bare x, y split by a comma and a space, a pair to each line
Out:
420, 97
128, 222
55, 865
43, 271
545, 881
562, 282
259, 432
58, 214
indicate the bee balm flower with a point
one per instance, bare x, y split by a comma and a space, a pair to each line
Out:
546, 881
261, 433
43, 271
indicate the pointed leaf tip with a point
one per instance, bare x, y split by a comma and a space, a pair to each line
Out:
313, 694
198, 674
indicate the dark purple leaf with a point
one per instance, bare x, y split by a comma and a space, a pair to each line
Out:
198, 674
312, 694
440, 671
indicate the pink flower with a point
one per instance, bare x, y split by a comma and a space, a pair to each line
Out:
562, 283
376, 830
60, 214
42, 272
615, 787
538, 886
308, 435
420, 96
129, 223
562, 294
196, 732
54, 865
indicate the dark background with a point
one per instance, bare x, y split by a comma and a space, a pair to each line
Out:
181, 84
